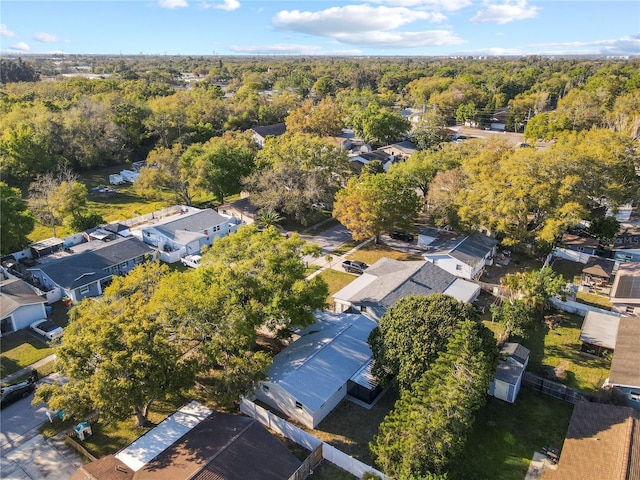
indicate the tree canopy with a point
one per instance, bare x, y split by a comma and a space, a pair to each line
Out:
16, 220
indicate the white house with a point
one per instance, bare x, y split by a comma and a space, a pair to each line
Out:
186, 233
19, 306
508, 377
310, 377
462, 256
388, 280
624, 374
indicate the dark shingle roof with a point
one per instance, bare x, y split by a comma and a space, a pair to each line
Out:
83, 268
15, 293
473, 249
276, 130
625, 364
195, 222
516, 351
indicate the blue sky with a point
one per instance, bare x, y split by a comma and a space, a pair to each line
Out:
376, 27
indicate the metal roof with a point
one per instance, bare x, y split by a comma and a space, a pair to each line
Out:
600, 329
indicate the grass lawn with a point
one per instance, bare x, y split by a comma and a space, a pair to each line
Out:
371, 253
505, 436
599, 301
336, 280
328, 471
20, 349
350, 427
560, 347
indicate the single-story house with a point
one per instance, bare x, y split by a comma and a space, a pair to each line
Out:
19, 306
626, 247
360, 159
580, 243
599, 332
508, 376
86, 273
261, 132
401, 150
388, 280
499, 119
185, 234
241, 209
601, 444
625, 291
624, 374
197, 444
463, 256
598, 273
310, 377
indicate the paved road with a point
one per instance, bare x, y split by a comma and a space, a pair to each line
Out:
329, 240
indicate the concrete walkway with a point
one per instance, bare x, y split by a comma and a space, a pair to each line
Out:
28, 370
537, 465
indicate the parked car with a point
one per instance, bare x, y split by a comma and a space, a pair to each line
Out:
192, 261
402, 235
11, 393
47, 329
353, 266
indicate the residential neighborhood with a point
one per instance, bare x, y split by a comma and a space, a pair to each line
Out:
281, 280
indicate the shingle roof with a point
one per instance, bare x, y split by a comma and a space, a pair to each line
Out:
578, 240
508, 372
602, 443
516, 351
276, 129
15, 293
83, 268
599, 267
625, 363
193, 222
473, 249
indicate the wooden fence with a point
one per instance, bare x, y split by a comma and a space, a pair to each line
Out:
308, 465
553, 389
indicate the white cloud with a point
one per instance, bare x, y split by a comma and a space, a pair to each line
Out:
447, 5
506, 12
350, 19
5, 32
621, 46
431, 38
228, 5
20, 46
278, 49
172, 3
45, 37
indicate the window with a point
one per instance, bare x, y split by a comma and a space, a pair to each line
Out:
363, 308
298, 405
629, 310
635, 396
84, 290
123, 265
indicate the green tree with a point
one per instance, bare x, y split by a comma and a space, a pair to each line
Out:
412, 333
321, 120
428, 426
515, 316
372, 204
168, 169
604, 229
16, 221
118, 354
430, 131
379, 125
268, 217
536, 287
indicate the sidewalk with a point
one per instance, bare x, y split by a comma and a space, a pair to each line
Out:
28, 370
336, 261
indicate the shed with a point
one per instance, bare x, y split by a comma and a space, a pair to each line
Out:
598, 333
508, 376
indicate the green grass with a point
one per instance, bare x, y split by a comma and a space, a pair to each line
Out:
560, 347
328, 471
505, 436
345, 247
599, 301
19, 350
371, 253
336, 280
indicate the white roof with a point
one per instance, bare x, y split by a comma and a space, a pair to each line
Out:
600, 329
157, 440
327, 354
462, 290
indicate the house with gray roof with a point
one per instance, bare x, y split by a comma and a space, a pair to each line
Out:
388, 280
310, 377
508, 376
78, 275
261, 132
463, 256
625, 291
624, 374
19, 305
599, 332
186, 233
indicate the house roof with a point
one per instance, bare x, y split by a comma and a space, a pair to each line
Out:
74, 271
602, 443
276, 129
600, 329
369, 156
220, 447
578, 240
388, 280
405, 147
627, 282
327, 354
243, 205
473, 249
624, 363
192, 222
468, 249
516, 352
599, 267
627, 241
15, 293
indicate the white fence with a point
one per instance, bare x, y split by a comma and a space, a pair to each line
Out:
329, 453
577, 307
572, 255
